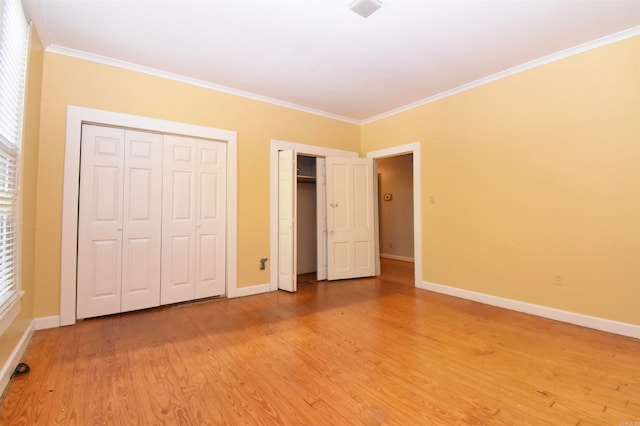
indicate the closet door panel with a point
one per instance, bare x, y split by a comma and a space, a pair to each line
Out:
142, 220
211, 219
100, 221
178, 220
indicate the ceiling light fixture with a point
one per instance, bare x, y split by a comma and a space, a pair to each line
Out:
365, 8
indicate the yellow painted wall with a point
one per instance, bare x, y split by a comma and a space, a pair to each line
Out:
535, 175
10, 338
70, 81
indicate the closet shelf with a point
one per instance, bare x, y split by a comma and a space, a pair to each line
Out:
306, 179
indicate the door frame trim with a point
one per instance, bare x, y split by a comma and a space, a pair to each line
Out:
76, 116
298, 148
410, 148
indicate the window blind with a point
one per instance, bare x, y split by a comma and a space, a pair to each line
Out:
14, 42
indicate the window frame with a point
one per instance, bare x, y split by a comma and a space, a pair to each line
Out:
13, 102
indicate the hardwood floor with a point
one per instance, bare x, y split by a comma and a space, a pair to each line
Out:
369, 351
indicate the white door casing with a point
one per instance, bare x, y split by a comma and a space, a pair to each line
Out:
76, 117
100, 221
142, 220
414, 149
350, 218
287, 279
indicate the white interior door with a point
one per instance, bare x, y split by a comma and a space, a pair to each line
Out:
100, 221
350, 218
287, 279
178, 220
210, 218
142, 220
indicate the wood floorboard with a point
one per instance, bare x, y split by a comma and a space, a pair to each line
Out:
363, 352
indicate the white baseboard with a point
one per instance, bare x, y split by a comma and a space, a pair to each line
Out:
43, 323
14, 358
252, 290
602, 324
395, 257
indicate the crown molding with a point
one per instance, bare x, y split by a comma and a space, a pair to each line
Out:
60, 50
603, 41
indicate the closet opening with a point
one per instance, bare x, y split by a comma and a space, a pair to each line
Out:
396, 216
307, 235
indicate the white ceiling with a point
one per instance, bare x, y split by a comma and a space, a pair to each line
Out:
317, 54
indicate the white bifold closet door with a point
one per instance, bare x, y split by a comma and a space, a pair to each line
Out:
193, 219
151, 221
119, 221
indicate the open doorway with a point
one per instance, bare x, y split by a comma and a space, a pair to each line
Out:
412, 149
307, 221
395, 215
